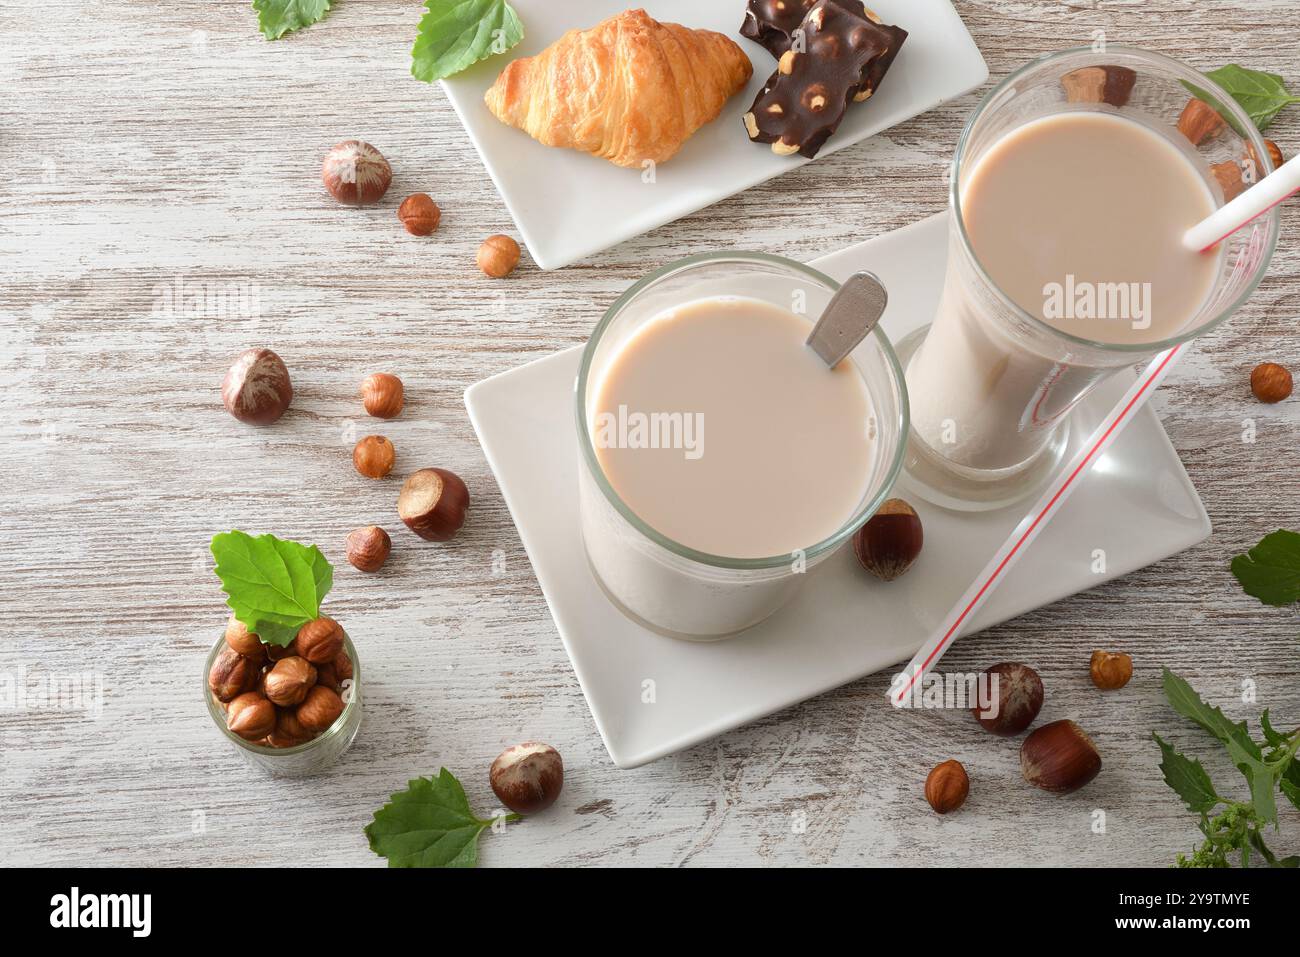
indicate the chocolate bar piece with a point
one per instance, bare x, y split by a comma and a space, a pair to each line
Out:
836, 58
772, 23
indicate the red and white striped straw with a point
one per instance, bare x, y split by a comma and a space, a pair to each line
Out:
1254, 202
1035, 521
1274, 188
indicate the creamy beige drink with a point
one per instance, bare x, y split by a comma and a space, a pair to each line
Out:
722, 431
1076, 217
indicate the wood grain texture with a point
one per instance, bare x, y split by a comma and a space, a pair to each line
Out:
152, 144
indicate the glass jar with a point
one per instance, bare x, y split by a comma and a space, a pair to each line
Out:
300, 760
661, 583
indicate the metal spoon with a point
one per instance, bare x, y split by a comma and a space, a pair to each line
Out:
851, 314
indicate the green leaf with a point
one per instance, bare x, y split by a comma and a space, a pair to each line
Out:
1270, 735
455, 34
430, 824
1291, 790
274, 587
1262, 779
278, 17
1271, 570
1188, 703
1187, 777
1261, 95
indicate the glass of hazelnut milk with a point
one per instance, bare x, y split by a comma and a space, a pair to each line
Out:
721, 460
1071, 188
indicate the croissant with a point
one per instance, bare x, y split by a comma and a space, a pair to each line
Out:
630, 89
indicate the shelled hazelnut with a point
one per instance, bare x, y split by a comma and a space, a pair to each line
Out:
1274, 155
343, 666
373, 456
947, 786
288, 731
231, 675
250, 716
320, 641
289, 680
1200, 121
1110, 669
243, 641
382, 395
368, 548
1270, 382
279, 698
320, 709
419, 214
1230, 179
498, 256
1099, 84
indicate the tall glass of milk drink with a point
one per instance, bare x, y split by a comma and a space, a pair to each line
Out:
721, 460
1071, 189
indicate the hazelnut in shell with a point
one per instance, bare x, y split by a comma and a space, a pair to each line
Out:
433, 503
1059, 757
527, 777
320, 641
256, 389
890, 541
355, 173
1019, 698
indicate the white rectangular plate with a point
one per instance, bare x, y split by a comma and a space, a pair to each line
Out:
569, 205
1137, 503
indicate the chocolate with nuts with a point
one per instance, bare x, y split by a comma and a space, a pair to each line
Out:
843, 59
772, 23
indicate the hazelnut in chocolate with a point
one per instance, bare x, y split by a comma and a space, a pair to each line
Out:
771, 23
836, 58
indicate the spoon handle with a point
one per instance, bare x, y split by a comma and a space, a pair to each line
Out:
851, 314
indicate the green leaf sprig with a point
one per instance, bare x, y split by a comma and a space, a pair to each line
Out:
430, 824
1271, 570
274, 587
275, 18
1237, 830
455, 34
1262, 95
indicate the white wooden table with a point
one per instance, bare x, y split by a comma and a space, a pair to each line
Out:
147, 145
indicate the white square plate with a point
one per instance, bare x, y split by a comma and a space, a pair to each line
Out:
1137, 503
569, 205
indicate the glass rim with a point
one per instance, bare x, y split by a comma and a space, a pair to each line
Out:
219, 716
1255, 138
859, 516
